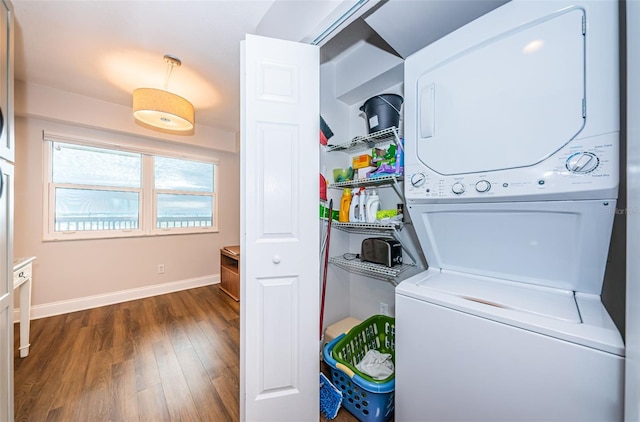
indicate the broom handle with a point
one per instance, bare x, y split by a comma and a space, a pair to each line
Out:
326, 263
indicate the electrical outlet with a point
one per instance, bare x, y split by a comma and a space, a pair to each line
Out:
384, 308
160, 268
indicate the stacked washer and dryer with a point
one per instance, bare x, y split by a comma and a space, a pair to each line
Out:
512, 156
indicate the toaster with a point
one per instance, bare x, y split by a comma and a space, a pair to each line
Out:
381, 250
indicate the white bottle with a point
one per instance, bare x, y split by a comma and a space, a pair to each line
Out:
362, 210
372, 207
354, 208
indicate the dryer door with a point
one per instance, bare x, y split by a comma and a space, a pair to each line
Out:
508, 102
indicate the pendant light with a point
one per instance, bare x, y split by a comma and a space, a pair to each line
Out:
162, 109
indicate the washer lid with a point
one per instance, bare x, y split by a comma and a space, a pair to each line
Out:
551, 303
508, 102
558, 244
577, 318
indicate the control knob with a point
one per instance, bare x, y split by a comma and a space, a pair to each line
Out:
582, 162
483, 186
457, 188
418, 180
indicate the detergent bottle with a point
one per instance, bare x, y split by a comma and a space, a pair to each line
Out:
345, 202
373, 206
362, 204
354, 208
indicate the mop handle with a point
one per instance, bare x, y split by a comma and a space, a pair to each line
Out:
326, 263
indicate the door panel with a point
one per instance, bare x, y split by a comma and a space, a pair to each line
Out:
6, 293
279, 243
6, 86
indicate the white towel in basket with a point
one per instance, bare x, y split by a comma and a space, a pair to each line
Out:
375, 364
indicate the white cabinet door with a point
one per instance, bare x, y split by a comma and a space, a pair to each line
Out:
6, 84
6, 292
279, 347
6, 213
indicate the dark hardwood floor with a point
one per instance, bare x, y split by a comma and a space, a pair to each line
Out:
173, 357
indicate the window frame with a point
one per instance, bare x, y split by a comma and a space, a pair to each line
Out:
147, 206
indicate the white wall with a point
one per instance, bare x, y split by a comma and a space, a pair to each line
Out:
71, 275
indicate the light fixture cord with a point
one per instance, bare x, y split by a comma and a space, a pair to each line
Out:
168, 75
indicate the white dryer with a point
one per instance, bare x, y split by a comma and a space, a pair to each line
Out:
511, 154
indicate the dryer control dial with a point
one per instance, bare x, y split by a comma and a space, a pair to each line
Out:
483, 186
418, 180
457, 188
582, 162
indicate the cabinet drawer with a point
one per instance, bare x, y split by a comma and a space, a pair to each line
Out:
229, 263
22, 274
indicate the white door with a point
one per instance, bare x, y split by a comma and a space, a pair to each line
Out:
6, 292
6, 82
279, 306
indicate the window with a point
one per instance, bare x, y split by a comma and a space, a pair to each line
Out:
183, 193
98, 191
95, 189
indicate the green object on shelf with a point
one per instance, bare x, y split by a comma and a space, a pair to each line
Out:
386, 214
342, 175
324, 213
384, 156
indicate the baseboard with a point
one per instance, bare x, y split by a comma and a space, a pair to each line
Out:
66, 306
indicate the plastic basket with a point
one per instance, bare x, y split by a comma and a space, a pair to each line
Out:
367, 399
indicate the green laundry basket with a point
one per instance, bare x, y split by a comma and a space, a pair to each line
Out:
368, 399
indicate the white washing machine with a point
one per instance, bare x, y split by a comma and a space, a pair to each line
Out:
512, 137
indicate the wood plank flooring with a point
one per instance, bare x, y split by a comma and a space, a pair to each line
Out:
173, 357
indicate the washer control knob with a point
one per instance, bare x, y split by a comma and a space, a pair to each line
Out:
418, 180
457, 188
582, 162
483, 186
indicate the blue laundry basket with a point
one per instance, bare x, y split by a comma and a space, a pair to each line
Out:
367, 399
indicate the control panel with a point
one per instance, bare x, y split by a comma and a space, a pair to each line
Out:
572, 172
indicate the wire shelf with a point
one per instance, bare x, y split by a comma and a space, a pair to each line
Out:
370, 269
375, 181
368, 228
361, 143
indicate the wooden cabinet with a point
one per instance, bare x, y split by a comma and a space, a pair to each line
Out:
230, 271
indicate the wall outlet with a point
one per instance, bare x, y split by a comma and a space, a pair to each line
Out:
384, 308
160, 268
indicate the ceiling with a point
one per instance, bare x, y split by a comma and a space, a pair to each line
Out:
105, 49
